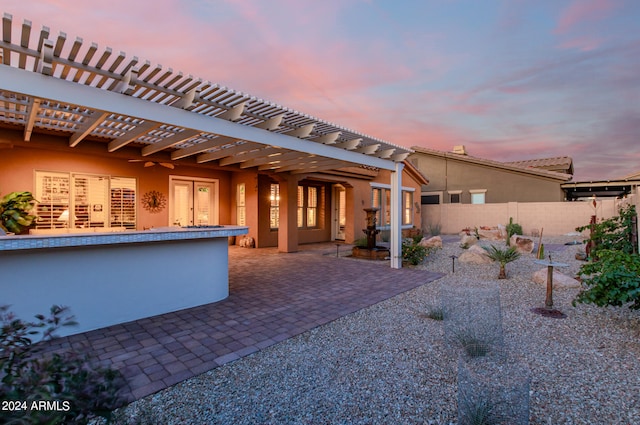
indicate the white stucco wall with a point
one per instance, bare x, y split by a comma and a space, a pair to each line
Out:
105, 285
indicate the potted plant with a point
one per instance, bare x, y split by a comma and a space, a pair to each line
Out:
15, 212
503, 256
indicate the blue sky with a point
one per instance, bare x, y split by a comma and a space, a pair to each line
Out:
510, 80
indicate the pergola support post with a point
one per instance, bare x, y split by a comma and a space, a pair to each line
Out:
396, 216
288, 225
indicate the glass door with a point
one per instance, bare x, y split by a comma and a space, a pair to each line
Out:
193, 202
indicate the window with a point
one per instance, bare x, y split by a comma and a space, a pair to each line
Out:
84, 200
241, 207
407, 207
454, 196
478, 196
308, 206
274, 208
430, 199
381, 199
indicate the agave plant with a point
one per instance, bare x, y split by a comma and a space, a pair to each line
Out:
15, 209
502, 256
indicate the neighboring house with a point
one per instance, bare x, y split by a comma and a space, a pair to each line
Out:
613, 188
456, 177
112, 143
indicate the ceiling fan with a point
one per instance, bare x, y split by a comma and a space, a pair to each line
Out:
152, 163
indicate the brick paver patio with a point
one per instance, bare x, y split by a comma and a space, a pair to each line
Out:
272, 297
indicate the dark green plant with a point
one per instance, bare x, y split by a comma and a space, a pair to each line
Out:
614, 233
612, 280
15, 209
82, 389
502, 256
480, 411
512, 229
612, 277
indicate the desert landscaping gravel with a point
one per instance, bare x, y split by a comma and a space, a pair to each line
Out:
389, 364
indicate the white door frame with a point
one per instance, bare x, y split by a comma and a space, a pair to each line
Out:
335, 213
215, 200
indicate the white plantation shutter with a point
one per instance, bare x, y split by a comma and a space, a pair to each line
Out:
123, 202
52, 194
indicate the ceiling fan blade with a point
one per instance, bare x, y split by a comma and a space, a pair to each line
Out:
135, 160
167, 165
149, 164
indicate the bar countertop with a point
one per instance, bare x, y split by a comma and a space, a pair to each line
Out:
158, 234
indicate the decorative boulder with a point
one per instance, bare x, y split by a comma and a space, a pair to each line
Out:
523, 245
432, 242
468, 240
475, 255
559, 280
490, 235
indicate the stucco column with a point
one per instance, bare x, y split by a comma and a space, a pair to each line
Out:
288, 225
396, 216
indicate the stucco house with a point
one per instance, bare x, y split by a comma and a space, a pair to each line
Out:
457, 177
151, 172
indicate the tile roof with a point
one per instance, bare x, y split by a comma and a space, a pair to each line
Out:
496, 164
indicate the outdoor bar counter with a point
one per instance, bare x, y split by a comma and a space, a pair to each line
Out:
115, 277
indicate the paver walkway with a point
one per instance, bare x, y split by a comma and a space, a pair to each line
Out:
272, 297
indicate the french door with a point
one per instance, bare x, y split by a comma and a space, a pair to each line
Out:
193, 202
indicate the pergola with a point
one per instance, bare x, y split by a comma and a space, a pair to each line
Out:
76, 90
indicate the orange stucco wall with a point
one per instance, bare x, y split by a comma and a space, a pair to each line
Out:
19, 163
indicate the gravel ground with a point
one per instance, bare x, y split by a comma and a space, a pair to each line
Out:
389, 364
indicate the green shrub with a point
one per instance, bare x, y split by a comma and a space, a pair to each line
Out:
613, 233
82, 389
413, 252
612, 277
15, 209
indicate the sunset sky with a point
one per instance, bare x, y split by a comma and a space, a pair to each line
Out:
510, 79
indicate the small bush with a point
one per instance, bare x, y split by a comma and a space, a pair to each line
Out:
82, 388
413, 252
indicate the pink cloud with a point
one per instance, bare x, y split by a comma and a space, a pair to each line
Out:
582, 43
581, 11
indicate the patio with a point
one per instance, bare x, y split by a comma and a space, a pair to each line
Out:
273, 297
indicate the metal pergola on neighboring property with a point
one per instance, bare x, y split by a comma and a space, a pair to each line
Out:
52, 85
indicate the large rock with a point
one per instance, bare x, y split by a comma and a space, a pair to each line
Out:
490, 235
559, 280
475, 255
432, 242
522, 244
468, 240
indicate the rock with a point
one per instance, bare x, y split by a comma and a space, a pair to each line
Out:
490, 235
432, 242
559, 280
475, 255
522, 244
468, 240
